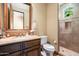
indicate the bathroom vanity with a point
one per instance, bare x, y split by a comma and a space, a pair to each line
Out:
20, 46
17, 22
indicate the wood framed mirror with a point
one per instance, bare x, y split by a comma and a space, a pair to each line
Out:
17, 17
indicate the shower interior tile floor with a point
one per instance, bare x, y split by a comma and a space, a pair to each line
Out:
67, 52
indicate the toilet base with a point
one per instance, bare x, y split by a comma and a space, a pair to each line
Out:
49, 54
45, 53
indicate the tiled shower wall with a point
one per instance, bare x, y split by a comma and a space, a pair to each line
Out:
69, 37
69, 34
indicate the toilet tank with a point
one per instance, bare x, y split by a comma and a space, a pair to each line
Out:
43, 39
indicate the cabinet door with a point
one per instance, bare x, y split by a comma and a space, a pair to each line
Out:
33, 51
9, 49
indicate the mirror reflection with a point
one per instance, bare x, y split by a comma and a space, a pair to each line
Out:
18, 16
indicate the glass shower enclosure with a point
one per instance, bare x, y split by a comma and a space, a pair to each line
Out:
69, 28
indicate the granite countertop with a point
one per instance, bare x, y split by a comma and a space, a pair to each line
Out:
9, 40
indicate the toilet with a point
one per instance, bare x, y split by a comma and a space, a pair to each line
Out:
47, 49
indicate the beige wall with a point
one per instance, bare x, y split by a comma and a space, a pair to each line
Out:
39, 16
45, 16
52, 23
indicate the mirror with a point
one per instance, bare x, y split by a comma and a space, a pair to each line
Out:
19, 16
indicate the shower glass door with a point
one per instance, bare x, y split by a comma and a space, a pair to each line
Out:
69, 29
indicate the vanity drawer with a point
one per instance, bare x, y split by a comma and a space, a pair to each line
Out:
10, 48
31, 43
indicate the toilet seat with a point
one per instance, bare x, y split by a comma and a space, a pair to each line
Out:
48, 47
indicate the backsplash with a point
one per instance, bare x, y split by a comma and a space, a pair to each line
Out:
16, 32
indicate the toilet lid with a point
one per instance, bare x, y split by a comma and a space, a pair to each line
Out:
49, 47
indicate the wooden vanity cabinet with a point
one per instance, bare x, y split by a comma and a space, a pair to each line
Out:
34, 46
25, 48
10, 48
